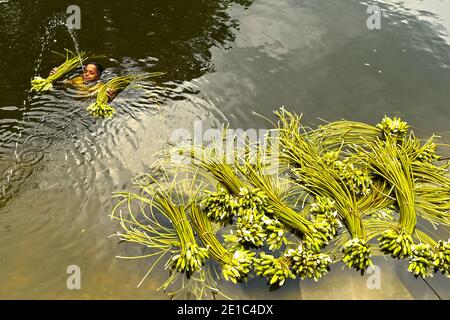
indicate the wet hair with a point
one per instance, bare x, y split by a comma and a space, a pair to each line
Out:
99, 68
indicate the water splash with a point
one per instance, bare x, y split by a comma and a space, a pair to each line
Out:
51, 27
76, 45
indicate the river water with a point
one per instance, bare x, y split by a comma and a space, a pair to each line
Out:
224, 61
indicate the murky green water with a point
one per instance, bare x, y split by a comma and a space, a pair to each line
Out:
224, 60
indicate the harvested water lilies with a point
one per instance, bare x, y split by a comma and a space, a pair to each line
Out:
276, 233
222, 205
231, 241
442, 257
428, 153
256, 231
422, 152
275, 270
324, 214
190, 256
101, 108
239, 267
389, 160
421, 261
187, 255
396, 242
325, 182
72, 62
395, 126
250, 227
338, 188
300, 151
357, 254
253, 199
236, 265
219, 205
358, 180
249, 207
281, 210
308, 264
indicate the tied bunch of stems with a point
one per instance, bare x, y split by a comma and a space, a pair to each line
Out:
325, 182
219, 205
301, 150
253, 199
190, 256
173, 240
393, 127
100, 108
396, 242
275, 270
354, 174
357, 254
72, 62
308, 264
250, 227
425, 153
358, 180
389, 160
325, 215
421, 260
302, 262
235, 266
255, 230
252, 220
429, 255
295, 221
375, 181
232, 241
252, 206
276, 233
442, 258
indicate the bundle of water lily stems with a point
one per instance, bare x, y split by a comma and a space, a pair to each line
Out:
343, 192
72, 62
101, 108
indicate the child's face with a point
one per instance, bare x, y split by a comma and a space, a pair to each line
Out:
90, 73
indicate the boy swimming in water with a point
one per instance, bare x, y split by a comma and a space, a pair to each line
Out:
89, 83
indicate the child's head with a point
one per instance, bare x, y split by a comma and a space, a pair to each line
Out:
92, 71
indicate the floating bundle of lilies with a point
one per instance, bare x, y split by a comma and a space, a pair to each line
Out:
344, 191
72, 62
101, 108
